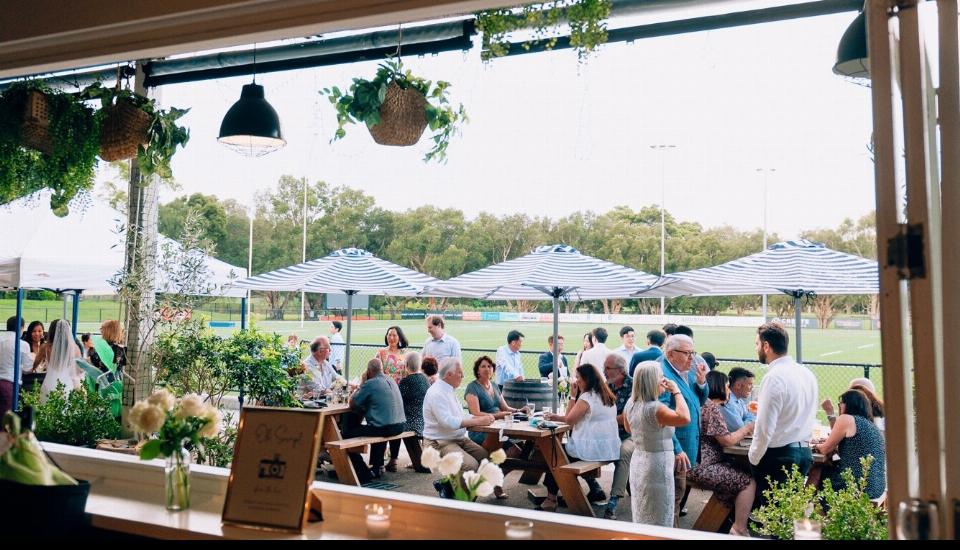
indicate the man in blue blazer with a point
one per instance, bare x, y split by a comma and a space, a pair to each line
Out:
692, 383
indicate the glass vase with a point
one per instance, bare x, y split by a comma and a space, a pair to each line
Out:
177, 477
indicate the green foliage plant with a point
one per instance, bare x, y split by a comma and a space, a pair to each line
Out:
163, 134
77, 418
75, 139
850, 515
786, 502
187, 359
362, 101
218, 450
587, 20
258, 362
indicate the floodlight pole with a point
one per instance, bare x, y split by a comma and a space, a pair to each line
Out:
663, 226
303, 293
766, 172
250, 264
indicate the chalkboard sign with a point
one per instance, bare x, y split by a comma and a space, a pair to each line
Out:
273, 466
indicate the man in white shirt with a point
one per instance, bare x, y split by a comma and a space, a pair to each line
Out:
509, 362
337, 346
597, 354
445, 423
628, 338
785, 415
8, 342
319, 368
440, 345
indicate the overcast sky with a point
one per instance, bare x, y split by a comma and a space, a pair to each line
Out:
548, 136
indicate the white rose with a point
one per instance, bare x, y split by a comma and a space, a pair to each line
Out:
152, 419
450, 464
163, 399
491, 472
498, 456
191, 404
430, 458
136, 414
484, 489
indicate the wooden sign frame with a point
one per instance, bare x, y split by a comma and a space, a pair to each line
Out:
274, 461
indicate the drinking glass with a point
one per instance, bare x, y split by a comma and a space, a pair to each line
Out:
918, 520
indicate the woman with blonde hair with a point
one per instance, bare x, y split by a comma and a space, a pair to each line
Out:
109, 349
651, 425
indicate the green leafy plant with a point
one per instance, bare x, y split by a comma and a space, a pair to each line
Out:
587, 20
850, 515
187, 359
78, 418
362, 101
163, 134
787, 501
258, 363
75, 141
218, 450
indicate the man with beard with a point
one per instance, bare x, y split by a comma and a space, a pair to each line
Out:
785, 415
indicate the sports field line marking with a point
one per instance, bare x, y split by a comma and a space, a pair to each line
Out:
865, 346
830, 353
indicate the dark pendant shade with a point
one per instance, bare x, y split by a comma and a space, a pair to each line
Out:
852, 58
251, 126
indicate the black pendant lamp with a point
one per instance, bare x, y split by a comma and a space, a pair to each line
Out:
852, 58
251, 127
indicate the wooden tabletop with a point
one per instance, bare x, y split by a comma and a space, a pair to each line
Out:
520, 429
737, 450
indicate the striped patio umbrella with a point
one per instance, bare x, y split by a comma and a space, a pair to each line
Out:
560, 272
797, 268
349, 270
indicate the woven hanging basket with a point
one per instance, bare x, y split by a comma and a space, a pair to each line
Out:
34, 131
124, 128
402, 117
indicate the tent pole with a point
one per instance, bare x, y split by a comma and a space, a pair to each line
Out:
346, 359
556, 347
76, 313
243, 313
16, 352
796, 308
64, 315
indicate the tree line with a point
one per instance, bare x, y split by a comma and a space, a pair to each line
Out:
444, 243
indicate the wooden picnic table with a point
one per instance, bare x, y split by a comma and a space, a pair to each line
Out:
550, 458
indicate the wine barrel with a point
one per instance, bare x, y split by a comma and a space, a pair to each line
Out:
535, 392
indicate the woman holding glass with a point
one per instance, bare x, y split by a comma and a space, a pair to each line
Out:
392, 356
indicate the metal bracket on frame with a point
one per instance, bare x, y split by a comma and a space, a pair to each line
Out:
905, 251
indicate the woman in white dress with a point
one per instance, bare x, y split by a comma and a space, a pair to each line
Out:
61, 364
651, 425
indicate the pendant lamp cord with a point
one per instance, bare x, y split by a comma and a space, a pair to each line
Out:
254, 62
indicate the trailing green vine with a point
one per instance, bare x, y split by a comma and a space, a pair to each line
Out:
587, 20
361, 103
75, 138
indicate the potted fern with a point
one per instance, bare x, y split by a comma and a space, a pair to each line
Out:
134, 126
397, 107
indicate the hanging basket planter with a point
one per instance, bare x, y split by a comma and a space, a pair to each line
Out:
123, 130
402, 117
35, 130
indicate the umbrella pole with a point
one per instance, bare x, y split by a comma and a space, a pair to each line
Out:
797, 320
76, 313
556, 348
16, 352
346, 359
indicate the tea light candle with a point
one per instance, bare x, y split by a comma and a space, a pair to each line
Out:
378, 520
805, 529
519, 529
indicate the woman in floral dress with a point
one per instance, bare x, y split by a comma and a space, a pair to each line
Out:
392, 355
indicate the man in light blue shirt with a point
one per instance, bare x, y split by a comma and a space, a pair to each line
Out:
626, 350
440, 345
735, 411
509, 362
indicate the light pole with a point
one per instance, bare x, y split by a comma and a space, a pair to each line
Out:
663, 230
303, 294
250, 263
766, 173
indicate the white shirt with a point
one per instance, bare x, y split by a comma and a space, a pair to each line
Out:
7, 342
442, 413
595, 356
337, 349
595, 436
626, 353
787, 407
509, 364
322, 375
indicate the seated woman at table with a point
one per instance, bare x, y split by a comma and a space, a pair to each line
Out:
413, 388
429, 367
595, 434
651, 424
868, 389
733, 485
483, 396
34, 337
854, 435
392, 355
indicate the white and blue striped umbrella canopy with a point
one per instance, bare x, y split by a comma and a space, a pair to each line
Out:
789, 267
348, 270
562, 270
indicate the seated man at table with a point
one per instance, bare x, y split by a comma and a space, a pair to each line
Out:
319, 368
615, 368
379, 402
445, 424
735, 411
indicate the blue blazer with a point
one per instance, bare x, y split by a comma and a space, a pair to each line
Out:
685, 438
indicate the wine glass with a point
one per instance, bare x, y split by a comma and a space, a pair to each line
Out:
918, 520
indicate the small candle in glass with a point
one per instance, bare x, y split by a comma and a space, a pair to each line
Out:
378, 520
806, 529
518, 529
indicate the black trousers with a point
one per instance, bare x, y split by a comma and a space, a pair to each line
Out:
773, 463
352, 427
